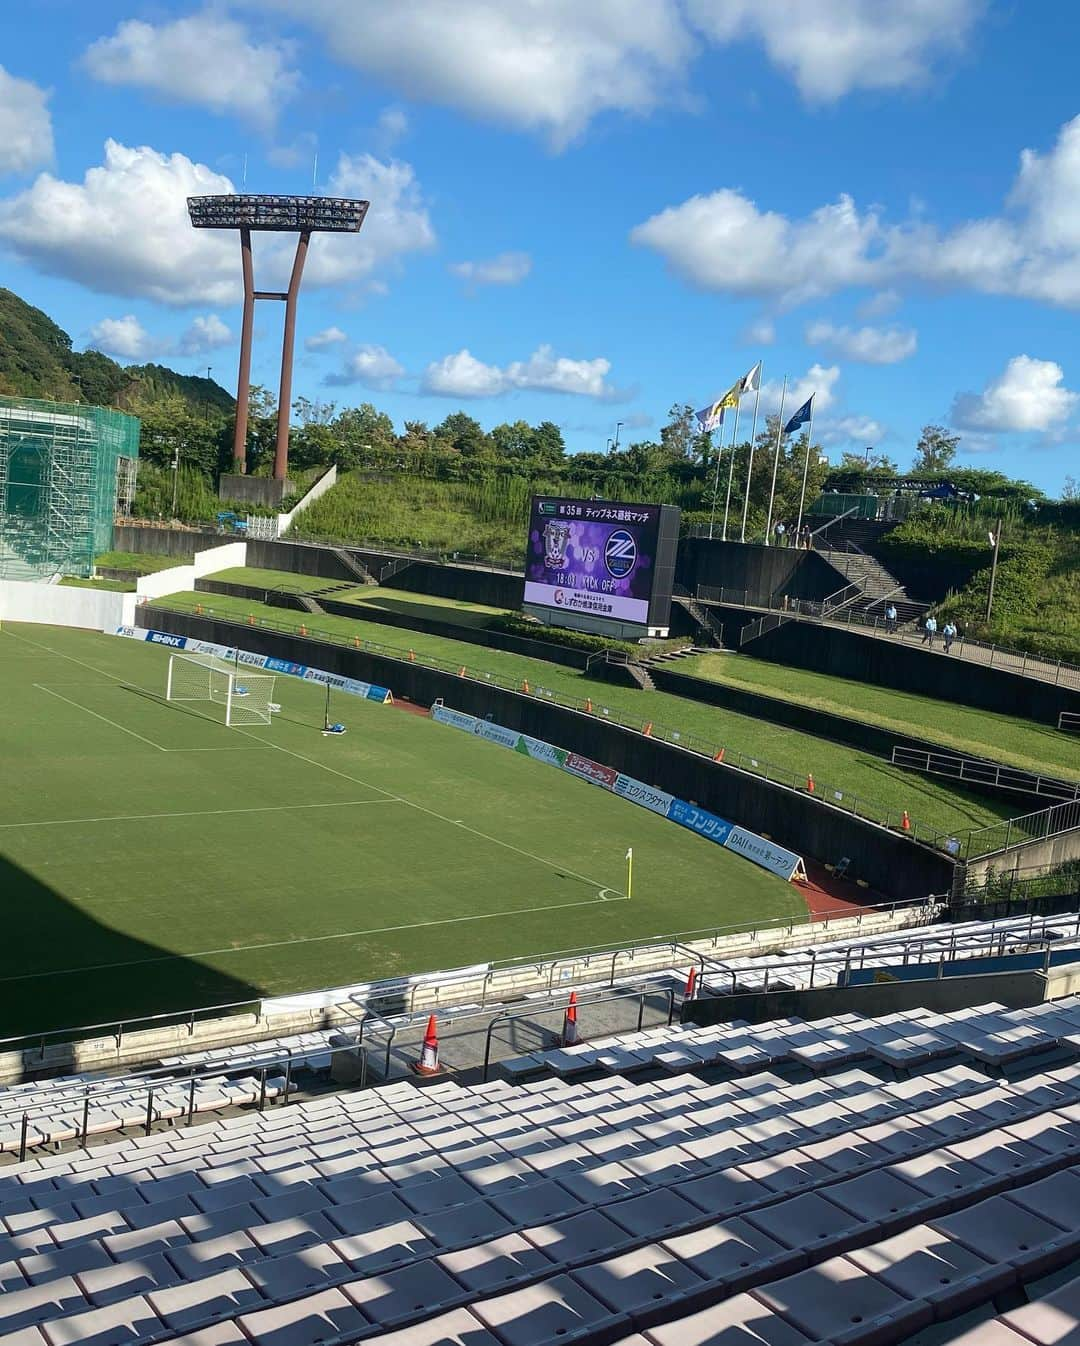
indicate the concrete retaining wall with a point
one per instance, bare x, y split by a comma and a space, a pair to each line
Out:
181, 579
891, 863
764, 574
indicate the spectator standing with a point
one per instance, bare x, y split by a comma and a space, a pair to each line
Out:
890, 619
780, 531
929, 631
949, 632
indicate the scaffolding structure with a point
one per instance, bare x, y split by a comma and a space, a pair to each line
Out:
64, 468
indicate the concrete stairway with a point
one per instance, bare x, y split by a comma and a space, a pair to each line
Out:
354, 567
708, 626
876, 587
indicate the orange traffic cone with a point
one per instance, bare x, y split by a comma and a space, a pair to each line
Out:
588, 705
412, 657
251, 619
525, 685
198, 610
303, 629
357, 642
569, 1028
647, 731
691, 984
809, 784
429, 1052
461, 671
905, 822
719, 756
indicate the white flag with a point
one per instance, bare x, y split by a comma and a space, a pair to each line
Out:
751, 381
629, 853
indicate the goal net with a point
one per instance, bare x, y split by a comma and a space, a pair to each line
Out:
246, 696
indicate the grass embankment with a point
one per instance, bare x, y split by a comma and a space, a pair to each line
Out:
482, 518
856, 774
980, 733
365, 595
139, 563
114, 586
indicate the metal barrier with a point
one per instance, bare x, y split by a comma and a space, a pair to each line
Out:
1069, 721
587, 1001
1038, 826
979, 771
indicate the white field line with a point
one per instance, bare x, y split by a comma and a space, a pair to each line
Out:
367, 785
86, 709
304, 939
193, 813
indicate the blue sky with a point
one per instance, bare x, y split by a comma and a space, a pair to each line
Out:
581, 213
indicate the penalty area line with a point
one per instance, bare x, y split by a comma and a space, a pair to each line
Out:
104, 718
194, 813
291, 943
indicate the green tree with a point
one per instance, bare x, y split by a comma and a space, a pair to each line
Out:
935, 450
362, 434
464, 435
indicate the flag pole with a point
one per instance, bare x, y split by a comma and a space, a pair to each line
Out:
776, 462
806, 465
716, 478
629, 873
750, 464
730, 472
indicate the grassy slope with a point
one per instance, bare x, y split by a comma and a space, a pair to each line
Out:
116, 586
139, 563
206, 865
371, 595
834, 766
1014, 741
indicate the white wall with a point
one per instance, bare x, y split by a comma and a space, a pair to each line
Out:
58, 605
328, 478
181, 579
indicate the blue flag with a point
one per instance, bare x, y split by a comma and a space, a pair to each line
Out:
801, 416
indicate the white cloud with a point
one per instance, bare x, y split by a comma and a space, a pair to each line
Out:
1028, 395
867, 345
880, 305
462, 375
724, 242
372, 366
126, 338
26, 139
124, 229
841, 431
549, 67
204, 334
507, 268
329, 336
392, 126
546, 371
818, 379
833, 48
205, 59
760, 332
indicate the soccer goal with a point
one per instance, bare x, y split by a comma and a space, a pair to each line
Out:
248, 697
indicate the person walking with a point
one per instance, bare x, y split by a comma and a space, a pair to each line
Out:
780, 531
890, 619
929, 631
949, 632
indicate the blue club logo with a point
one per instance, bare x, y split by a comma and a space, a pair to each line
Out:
620, 553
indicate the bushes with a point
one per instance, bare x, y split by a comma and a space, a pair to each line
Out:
513, 625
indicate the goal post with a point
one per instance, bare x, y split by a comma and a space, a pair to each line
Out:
246, 696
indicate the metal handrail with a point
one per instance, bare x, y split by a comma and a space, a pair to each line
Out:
983, 771
511, 1016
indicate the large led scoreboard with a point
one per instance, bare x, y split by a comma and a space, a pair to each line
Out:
601, 565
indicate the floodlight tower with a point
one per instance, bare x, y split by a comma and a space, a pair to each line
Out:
304, 215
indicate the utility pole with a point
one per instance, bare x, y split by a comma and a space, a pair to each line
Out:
995, 542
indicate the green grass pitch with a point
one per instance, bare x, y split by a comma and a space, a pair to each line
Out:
152, 859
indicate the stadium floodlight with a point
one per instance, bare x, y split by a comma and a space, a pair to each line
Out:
305, 215
248, 698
